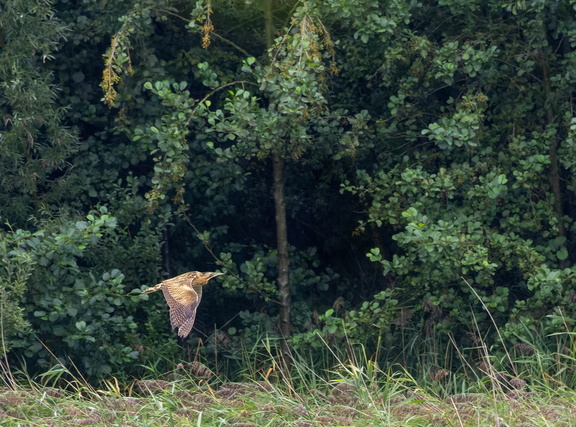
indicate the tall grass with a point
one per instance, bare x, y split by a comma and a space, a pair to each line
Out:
430, 383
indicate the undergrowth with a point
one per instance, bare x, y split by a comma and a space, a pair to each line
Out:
526, 385
531, 383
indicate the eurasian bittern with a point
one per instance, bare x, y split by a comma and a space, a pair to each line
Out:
183, 294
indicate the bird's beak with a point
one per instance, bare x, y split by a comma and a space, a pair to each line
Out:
212, 275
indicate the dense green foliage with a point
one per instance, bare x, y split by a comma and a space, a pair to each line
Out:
425, 152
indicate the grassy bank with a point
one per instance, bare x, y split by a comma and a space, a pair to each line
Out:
183, 403
355, 392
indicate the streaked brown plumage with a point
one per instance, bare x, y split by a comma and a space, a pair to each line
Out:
183, 294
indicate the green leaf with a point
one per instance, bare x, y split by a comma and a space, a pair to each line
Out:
410, 213
81, 325
562, 254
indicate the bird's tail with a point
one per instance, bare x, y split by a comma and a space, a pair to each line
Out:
152, 289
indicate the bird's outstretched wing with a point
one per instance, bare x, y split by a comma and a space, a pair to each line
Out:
183, 294
183, 300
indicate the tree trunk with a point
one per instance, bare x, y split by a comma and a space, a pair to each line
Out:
283, 256
269, 23
283, 281
280, 207
554, 175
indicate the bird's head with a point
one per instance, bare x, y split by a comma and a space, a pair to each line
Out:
210, 275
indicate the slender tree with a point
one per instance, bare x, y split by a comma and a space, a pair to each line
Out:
282, 244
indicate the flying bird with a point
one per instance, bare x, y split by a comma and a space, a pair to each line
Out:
183, 294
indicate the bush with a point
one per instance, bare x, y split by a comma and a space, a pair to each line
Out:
73, 291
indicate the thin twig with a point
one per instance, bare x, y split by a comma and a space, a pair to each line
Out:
218, 89
225, 40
